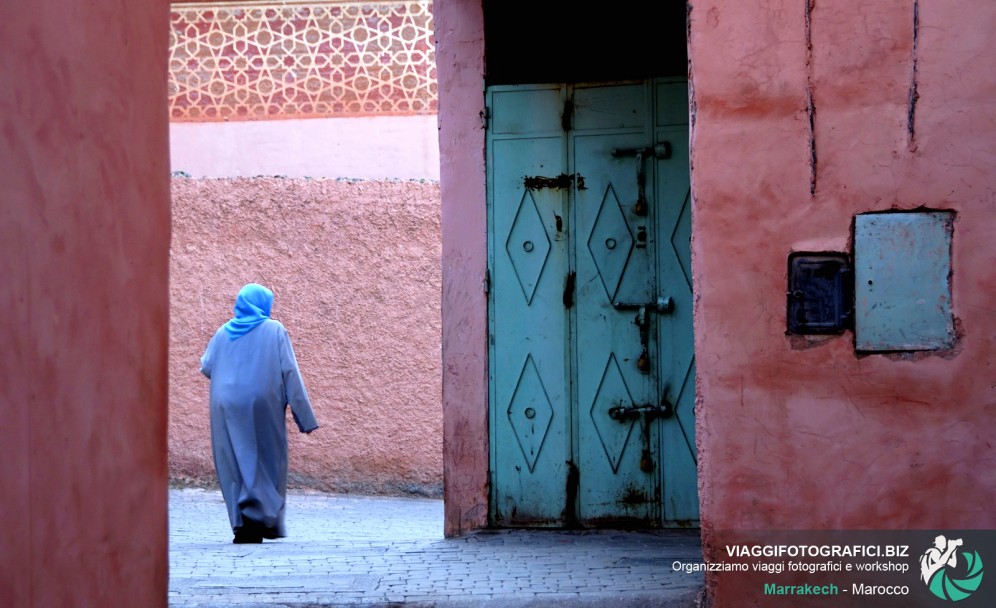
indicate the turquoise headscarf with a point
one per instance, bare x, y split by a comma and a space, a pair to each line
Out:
252, 307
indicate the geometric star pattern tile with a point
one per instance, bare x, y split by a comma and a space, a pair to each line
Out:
260, 60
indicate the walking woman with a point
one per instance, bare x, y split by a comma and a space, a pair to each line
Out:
254, 377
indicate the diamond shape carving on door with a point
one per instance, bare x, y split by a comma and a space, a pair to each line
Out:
612, 392
528, 245
530, 412
681, 236
684, 415
610, 243
682, 378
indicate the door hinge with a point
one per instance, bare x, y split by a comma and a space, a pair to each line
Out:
569, 290
485, 117
567, 117
487, 281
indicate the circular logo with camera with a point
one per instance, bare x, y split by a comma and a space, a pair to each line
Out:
949, 573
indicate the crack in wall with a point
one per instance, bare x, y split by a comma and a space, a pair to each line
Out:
913, 95
810, 104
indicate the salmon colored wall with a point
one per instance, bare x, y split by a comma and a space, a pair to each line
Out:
460, 69
354, 266
797, 433
84, 237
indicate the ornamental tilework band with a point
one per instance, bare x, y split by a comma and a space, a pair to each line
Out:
253, 60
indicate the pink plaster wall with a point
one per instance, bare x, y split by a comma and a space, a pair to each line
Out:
376, 147
84, 236
460, 69
795, 433
354, 266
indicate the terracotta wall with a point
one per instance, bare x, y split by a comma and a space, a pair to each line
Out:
802, 118
84, 237
355, 269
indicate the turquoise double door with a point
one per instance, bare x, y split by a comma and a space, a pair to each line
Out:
592, 371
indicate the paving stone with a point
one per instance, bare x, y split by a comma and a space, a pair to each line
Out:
375, 551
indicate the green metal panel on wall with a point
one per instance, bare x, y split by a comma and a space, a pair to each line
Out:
592, 374
902, 282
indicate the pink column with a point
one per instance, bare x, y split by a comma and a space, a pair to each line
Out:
84, 245
460, 68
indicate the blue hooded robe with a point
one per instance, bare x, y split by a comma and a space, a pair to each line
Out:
254, 377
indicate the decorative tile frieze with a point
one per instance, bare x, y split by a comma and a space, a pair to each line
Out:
267, 60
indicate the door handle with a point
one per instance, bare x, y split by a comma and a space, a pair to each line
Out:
649, 412
663, 305
661, 150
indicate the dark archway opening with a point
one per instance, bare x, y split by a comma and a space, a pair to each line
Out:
561, 41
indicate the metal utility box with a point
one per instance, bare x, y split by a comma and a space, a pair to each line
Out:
902, 267
820, 293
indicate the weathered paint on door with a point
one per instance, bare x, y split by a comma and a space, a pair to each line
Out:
529, 332
592, 373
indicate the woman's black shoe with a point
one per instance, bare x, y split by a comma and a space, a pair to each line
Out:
246, 537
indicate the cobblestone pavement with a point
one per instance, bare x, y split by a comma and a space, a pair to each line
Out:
364, 551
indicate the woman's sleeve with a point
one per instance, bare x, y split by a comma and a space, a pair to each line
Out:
294, 392
207, 357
